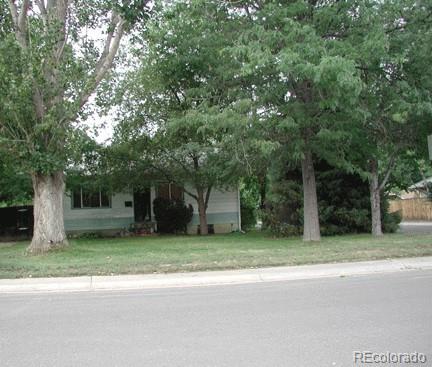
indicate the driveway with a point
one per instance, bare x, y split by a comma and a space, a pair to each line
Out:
416, 227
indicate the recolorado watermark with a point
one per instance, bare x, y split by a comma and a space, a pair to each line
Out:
368, 357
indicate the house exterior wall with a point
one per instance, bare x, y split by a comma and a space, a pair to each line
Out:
112, 219
223, 211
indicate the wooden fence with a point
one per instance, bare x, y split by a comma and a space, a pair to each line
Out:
412, 209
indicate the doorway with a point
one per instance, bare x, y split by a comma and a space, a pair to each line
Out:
142, 205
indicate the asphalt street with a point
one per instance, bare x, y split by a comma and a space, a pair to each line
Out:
416, 227
296, 323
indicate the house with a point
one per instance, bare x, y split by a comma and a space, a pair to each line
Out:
415, 203
99, 211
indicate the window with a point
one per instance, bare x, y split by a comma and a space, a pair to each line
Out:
83, 198
170, 191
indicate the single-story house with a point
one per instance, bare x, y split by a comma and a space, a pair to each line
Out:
99, 211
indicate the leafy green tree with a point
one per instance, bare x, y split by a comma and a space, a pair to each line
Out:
305, 87
176, 122
391, 45
50, 65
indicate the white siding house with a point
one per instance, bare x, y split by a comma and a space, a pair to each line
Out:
110, 219
116, 212
223, 211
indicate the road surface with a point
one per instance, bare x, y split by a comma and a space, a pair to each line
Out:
297, 323
416, 227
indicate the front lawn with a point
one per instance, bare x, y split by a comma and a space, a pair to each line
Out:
163, 254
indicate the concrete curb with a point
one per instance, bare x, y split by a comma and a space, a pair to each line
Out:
262, 275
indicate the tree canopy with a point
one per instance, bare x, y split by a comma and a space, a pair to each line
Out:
54, 55
214, 92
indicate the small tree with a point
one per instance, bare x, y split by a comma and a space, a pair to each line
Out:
175, 103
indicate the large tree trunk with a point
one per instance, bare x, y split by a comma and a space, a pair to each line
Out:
311, 227
48, 231
375, 199
202, 211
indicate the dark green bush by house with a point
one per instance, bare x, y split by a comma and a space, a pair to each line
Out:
172, 216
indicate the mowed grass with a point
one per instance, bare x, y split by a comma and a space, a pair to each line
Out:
163, 254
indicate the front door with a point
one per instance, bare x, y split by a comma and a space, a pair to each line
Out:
142, 205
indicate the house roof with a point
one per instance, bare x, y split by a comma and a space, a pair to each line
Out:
421, 184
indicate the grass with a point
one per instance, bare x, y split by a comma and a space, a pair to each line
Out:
165, 254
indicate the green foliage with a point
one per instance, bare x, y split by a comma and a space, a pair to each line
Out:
390, 221
216, 91
305, 84
15, 185
176, 126
248, 217
49, 67
390, 44
348, 81
343, 201
86, 235
172, 216
273, 223
249, 202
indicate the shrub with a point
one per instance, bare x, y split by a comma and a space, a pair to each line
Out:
248, 217
344, 204
272, 223
172, 216
87, 235
249, 201
390, 221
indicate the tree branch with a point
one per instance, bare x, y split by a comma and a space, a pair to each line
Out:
190, 194
112, 44
388, 171
22, 17
61, 15
19, 21
41, 5
14, 13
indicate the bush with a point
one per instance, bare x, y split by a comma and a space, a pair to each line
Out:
286, 230
86, 235
172, 216
272, 223
248, 217
344, 204
390, 221
249, 201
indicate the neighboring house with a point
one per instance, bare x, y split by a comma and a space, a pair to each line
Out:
420, 190
415, 203
99, 211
